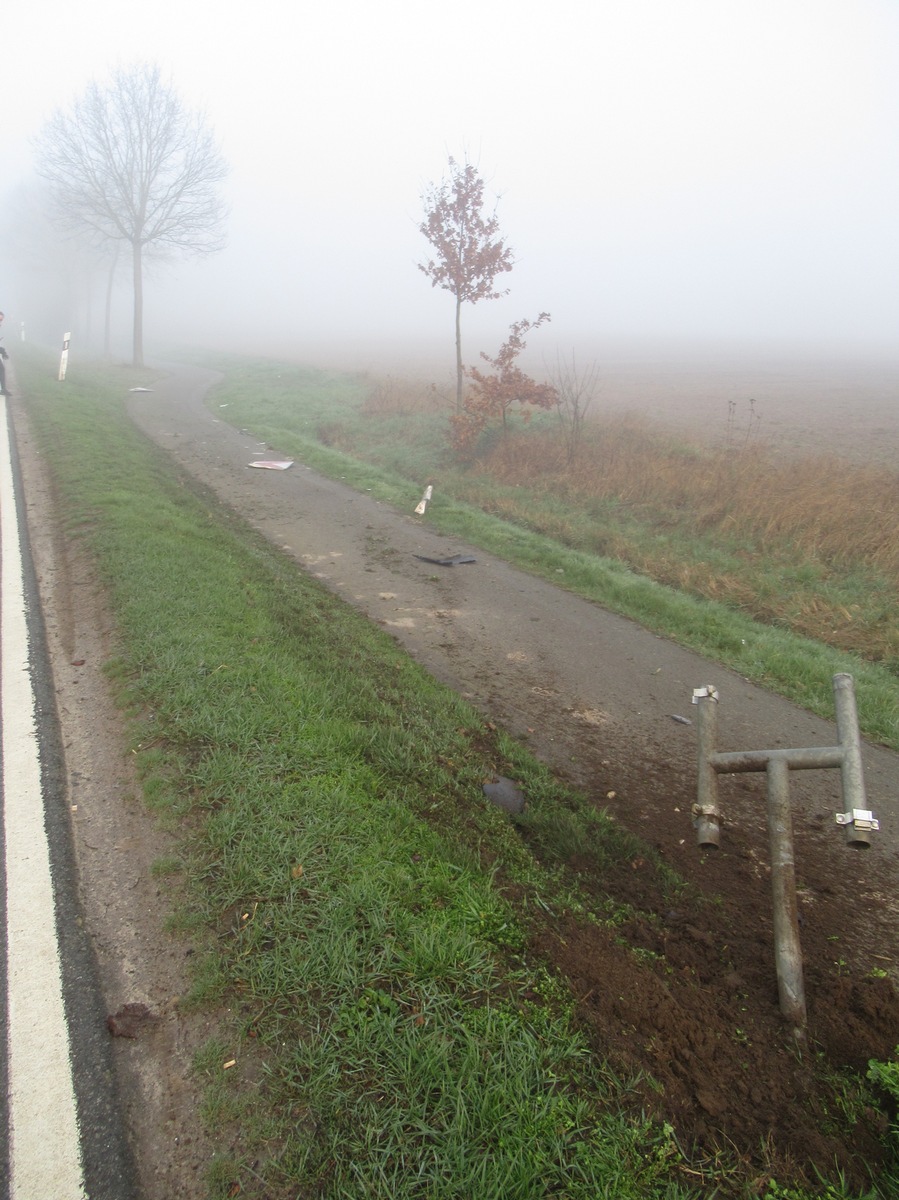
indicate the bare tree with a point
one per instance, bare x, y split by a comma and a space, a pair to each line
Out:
469, 254
129, 164
576, 388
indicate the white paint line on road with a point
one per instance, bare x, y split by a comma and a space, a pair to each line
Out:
45, 1156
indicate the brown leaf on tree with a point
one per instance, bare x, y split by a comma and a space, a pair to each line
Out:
469, 253
493, 394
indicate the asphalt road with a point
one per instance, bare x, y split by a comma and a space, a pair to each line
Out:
584, 686
62, 1137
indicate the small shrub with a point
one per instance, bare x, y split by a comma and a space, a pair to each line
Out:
885, 1075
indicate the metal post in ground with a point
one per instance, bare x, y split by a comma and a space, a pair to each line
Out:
706, 817
858, 819
787, 950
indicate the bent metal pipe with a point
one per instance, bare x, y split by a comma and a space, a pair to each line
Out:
857, 818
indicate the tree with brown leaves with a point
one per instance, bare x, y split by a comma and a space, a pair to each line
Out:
469, 251
493, 393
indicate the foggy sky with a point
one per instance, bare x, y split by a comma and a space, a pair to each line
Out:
678, 171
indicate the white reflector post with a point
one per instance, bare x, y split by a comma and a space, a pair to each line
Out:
64, 358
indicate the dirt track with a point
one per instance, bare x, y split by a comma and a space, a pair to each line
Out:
595, 696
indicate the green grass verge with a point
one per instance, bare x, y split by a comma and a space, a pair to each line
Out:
339, 867
390, 456
361, 912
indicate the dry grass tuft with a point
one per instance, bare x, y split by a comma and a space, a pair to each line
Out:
392, 396
814, 522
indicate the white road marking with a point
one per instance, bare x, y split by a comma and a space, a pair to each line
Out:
45, 1154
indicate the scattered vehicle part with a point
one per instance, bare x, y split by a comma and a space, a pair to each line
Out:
448, 562
505, 794
423, 502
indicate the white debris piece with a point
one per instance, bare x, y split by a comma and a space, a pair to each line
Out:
423, 502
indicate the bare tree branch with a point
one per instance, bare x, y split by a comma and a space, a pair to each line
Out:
576, 387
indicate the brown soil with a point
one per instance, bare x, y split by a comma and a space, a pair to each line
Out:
596, 697
701, 1014
116, 843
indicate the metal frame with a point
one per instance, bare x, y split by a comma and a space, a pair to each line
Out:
858, 819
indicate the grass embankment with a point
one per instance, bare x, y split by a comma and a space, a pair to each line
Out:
364, 915
787, 572
364, 912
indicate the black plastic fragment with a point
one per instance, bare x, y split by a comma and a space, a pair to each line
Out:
448, 562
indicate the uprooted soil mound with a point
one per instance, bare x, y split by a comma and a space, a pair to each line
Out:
682, 998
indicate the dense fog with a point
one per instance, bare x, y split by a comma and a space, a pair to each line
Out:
671, 176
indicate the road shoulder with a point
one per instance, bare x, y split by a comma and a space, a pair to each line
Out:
116, 841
